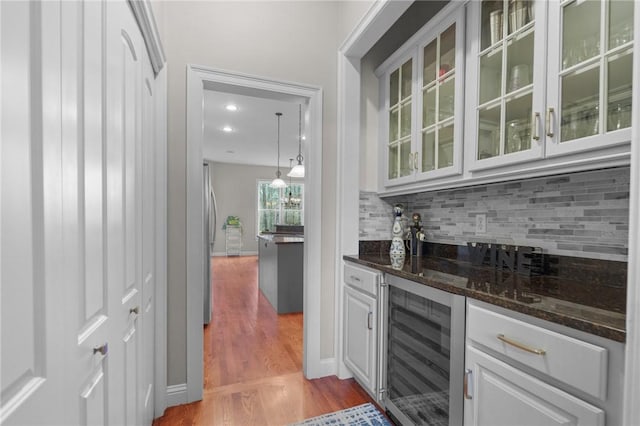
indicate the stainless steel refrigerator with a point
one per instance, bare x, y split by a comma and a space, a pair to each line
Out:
209, 227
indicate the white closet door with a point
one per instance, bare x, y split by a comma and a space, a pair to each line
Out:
84, 226
76, 258
147, 325
123, 209
33, 385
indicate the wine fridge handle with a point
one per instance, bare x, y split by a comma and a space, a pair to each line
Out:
468, 384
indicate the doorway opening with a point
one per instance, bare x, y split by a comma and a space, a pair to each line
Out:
200, 79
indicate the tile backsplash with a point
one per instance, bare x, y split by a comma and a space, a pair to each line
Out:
579, 214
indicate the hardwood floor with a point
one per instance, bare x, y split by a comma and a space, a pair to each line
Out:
253, 361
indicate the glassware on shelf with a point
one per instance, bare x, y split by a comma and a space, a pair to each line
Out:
495, 23
623, 34
519, 77
580, 23
620, 23
582, 123
518, 15
619, 116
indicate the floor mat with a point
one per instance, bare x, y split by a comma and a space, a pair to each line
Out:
361, 415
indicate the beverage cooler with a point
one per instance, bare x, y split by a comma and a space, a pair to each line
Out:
423, 347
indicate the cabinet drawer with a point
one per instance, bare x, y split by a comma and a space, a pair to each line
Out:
361, 278
569, 360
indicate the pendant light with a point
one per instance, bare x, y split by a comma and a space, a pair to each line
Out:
277, 182
298, 170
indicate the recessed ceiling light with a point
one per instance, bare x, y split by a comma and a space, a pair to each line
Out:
304, 138
231, 107
227, 129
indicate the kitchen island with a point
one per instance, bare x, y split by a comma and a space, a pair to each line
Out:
280, 270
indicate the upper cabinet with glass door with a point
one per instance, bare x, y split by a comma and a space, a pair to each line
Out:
399, 112
589, 74
507, 56
421, 89
553, 78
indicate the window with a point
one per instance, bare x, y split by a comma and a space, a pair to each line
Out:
281, 206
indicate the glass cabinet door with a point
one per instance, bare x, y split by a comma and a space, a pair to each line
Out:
438, 101
506, 84
399, 113
593, 73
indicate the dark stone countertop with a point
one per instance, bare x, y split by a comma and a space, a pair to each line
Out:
592, 305
282, 238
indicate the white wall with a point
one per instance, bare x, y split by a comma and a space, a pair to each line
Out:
369, 141
235, 189
292, 41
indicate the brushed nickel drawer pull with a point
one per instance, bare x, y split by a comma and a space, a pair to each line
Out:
370, 320
522, 346
354, 278
535, 123
550, 126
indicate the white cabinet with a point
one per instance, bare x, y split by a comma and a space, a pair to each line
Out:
589, 75
361, 325
501, 395
506, 63
522, 370
360, 336
421, 110
551, 79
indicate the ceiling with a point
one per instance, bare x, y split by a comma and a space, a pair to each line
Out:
253, 139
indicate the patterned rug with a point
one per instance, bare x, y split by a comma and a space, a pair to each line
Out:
361, 415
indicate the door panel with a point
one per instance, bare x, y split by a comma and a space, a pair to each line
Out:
82, 62
147, 324
130, 372
124, 209
93, 401
30, 215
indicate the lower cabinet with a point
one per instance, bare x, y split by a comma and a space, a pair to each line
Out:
521, 370
361, 326
360, 337
499, 394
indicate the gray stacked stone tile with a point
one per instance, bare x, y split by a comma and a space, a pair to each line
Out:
580, 214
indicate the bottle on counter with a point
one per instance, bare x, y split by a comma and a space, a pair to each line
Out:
397, 252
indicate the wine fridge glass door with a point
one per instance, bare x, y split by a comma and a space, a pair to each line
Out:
424, 346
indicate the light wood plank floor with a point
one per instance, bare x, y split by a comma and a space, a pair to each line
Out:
253, 361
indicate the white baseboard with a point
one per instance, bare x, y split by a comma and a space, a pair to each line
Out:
176, 394
328, 367
242, 253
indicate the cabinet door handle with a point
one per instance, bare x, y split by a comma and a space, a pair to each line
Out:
550, 127
468, 384
354, 278
370, 320
535, 126
519, 345
415, 161
411, 161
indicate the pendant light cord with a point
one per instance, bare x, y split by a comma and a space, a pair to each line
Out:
278, 172
299, 157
